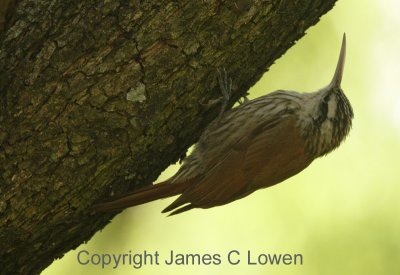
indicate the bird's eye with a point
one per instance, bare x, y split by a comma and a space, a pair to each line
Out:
323, 109
326, 98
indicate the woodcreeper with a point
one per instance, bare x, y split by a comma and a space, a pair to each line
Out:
258, 144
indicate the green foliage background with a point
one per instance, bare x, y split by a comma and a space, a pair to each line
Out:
342, 213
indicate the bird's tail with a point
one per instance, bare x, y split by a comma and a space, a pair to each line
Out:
141, 196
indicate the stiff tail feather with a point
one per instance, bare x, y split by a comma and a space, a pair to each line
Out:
144, 195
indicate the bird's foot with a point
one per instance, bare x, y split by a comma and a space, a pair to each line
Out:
225, 85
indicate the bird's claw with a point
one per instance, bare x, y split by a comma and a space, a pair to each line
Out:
225, 85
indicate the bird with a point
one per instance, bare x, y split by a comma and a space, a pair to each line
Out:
255, 145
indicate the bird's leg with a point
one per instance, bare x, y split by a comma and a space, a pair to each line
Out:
225, 85
226, 88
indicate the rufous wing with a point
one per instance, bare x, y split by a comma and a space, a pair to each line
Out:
245, 167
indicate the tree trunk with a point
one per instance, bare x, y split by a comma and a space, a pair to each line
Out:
98, 97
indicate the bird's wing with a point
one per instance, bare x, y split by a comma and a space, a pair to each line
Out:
232, 172
276, 154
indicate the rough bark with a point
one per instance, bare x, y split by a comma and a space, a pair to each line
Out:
98, 97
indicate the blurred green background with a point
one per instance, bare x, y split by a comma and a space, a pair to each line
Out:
342, 213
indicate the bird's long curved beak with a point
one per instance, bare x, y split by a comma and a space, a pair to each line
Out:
337, 77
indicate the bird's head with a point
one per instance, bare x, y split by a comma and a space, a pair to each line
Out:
332, 110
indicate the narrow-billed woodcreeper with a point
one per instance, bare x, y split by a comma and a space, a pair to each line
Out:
258, 144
